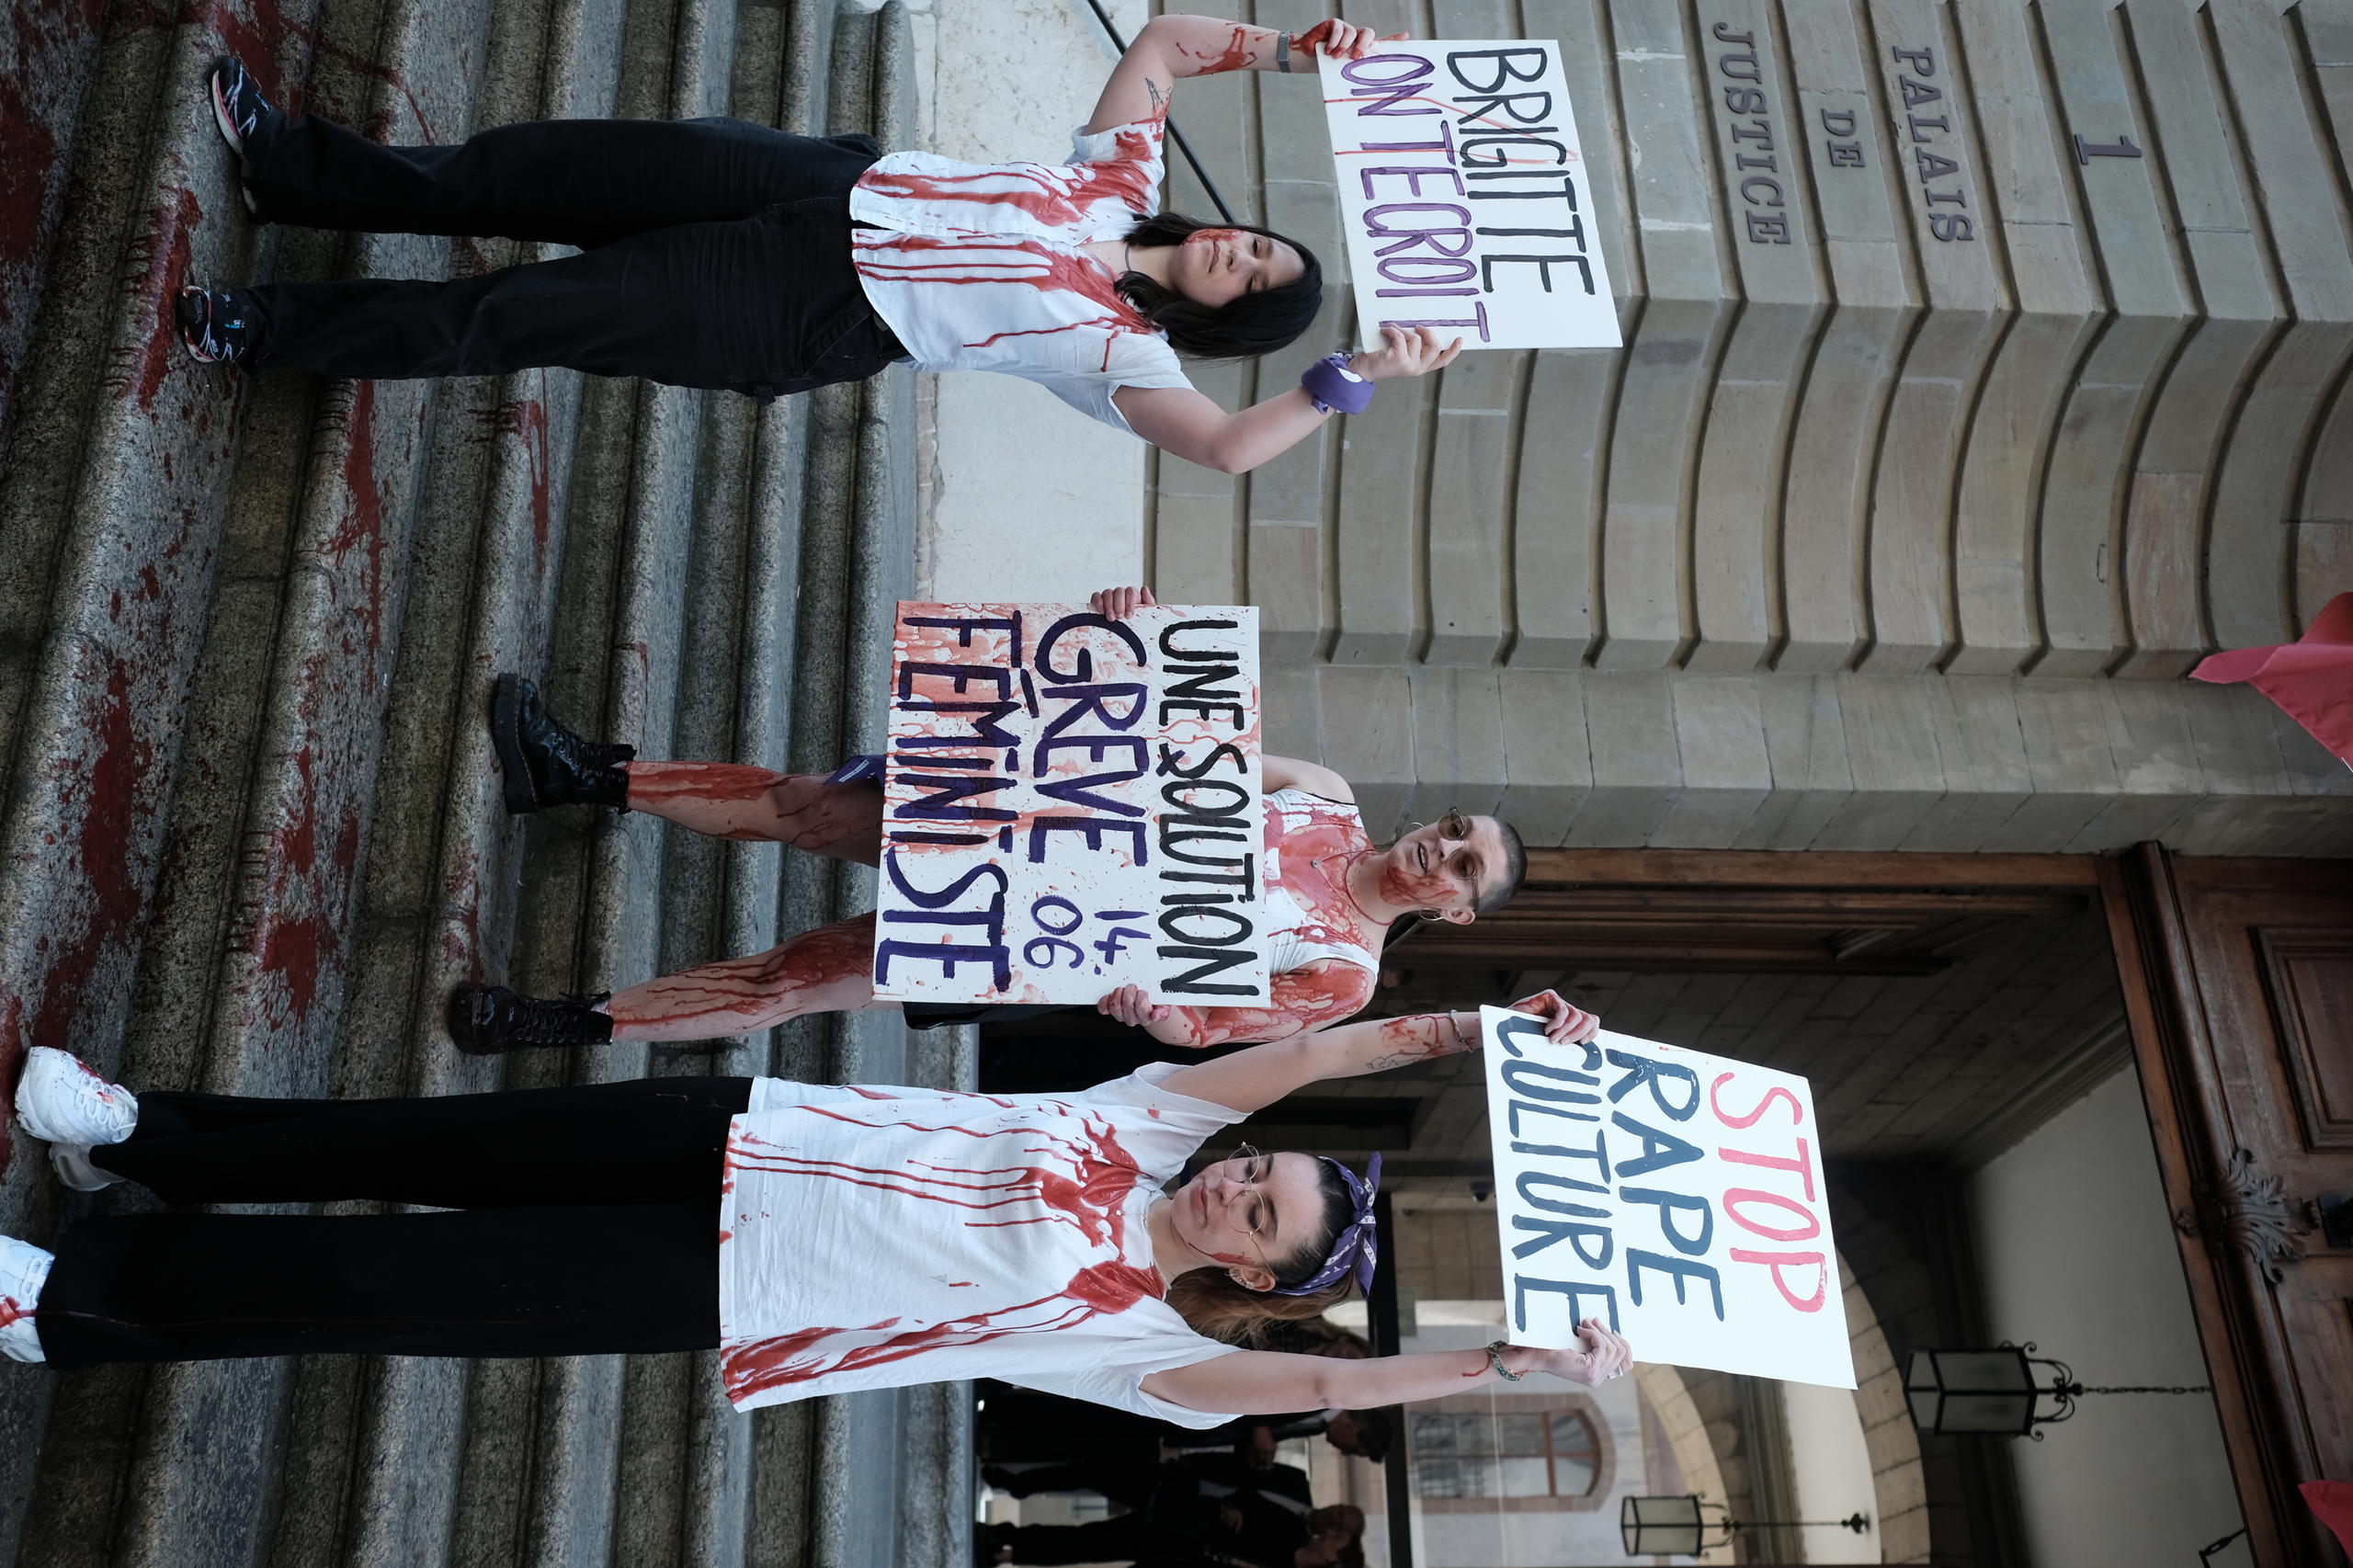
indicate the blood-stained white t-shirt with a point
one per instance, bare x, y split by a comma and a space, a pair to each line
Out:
979, 267
877, 1237
1303, 827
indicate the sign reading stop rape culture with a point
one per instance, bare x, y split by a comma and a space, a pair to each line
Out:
1675, 1195
1071, 804
1463, 195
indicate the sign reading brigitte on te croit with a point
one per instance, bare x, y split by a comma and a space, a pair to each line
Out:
1463, 195
1675, 1195
1072, 805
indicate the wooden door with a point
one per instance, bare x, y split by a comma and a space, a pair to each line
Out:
2238, 977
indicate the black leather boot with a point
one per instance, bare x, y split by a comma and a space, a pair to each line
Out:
486, 1019
542, 762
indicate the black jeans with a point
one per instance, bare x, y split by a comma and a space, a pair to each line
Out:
587, 1223
1121, 1539
715, 253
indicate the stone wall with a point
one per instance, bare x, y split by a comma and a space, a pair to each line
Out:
1983, 369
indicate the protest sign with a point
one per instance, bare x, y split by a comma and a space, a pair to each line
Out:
1463, 195
1071, 804
1677, 1196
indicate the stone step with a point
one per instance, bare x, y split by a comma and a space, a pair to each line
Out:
114, 521
255, 835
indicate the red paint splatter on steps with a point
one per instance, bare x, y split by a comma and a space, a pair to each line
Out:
106, 789
526, 419
170, 231
363, 527
298, 934
23, 173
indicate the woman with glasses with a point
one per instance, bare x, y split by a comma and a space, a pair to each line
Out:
1333, 894
822, 1238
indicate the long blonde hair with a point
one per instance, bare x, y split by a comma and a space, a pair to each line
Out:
1217, 1306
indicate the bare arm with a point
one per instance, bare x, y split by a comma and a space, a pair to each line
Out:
1180, 420
1300, 1000
1170, 48
1290, 773
1260, 1382
1251, 1080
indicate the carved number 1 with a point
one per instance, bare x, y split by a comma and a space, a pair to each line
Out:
2120, 148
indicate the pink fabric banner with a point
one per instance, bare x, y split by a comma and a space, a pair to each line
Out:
2310, 678
2333, 1500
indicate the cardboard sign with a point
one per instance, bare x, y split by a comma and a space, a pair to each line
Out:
1677, 1196
1463, 195
1071, 804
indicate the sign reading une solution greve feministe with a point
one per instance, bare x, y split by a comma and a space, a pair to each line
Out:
1463, 195
1072, 805
1675, 1195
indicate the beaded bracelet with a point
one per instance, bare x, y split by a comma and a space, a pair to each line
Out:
1495, 1358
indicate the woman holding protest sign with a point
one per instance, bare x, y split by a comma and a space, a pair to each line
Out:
866, 1237
717, 253
1333, 894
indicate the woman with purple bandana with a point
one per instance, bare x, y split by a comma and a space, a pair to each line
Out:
823, 1238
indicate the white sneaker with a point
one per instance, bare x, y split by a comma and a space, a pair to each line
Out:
75, 1169
24, 1269
60, 1100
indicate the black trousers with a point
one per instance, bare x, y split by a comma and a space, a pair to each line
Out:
1121, 1539
587, 1222
1129, 1484
715, 253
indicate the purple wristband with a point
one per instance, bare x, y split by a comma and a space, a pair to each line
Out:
1333, 388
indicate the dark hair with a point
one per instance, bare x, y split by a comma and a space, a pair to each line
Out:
1253, 325
1515, 869
1373, 1427
1215, 1304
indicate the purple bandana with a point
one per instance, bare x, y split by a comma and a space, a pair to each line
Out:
1358, 1245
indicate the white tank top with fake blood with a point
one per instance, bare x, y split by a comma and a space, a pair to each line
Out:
978, 266
878, 1237
1310, 842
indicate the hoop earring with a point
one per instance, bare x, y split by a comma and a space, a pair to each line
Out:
1429, 917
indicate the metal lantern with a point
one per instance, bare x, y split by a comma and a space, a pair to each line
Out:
1663, 1527
1678, 1527
1995, 1393
1953, 1391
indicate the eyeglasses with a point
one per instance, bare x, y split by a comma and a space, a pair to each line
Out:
1257, 1213
1465, 862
